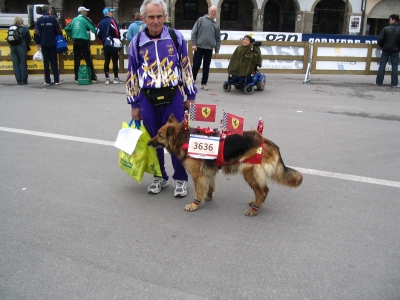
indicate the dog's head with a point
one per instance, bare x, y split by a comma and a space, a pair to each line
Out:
171, 136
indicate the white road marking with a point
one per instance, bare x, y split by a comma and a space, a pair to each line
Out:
302, 170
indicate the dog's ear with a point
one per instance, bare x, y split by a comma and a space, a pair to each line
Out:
170, 131
172, 119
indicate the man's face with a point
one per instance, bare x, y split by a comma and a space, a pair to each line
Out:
212, 13
391, 20
154, 18
246, 41
84, 12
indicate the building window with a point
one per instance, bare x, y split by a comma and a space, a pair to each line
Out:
229, 11
190, 11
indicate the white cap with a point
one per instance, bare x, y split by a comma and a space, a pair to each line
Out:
82, 8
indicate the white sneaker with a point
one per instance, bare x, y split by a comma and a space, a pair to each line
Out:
157, 184
204, 87
57, 83
46, 83
180, 188
117, 81
107, 81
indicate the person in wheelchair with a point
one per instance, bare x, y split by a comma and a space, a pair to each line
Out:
244, 62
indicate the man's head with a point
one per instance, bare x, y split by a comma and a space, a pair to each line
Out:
393, 18
108, 12
153, 13
247, 40
212, 12
83, 10
46, 9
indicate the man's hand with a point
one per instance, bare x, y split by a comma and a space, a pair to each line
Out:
216, 55
194, 48
136, 114
38, 47
186, 104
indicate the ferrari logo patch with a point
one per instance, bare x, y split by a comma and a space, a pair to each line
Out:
206, 112
235, 123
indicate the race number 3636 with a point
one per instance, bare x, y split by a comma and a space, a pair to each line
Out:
204, 147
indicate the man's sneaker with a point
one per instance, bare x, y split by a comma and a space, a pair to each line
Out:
157, 184
117, 81
396, 86
107, 81
377, 84
46, 83
204, 87
57, 83
180, 188
95, 81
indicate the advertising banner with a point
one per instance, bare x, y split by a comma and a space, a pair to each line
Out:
339, 38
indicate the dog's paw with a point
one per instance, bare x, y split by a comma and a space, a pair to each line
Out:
251, 203
208, 197
191, 207
251, 213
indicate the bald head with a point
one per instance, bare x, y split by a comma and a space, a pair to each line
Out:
212, 12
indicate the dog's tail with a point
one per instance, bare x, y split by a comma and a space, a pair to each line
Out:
287, 176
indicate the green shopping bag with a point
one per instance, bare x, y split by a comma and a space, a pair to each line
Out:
143, 159
84, 75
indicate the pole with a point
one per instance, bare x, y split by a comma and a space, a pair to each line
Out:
346, 19
363, 5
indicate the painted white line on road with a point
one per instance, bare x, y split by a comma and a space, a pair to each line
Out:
348, 177
58, 136
302, 170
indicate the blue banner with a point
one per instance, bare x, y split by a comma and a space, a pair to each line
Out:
339, 38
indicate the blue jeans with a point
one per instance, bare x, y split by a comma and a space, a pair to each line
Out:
18, 56
206, 56
382, 66
50, 58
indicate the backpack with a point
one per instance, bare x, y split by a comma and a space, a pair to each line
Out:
84, 75
14, 36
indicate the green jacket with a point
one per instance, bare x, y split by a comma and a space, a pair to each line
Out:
79, 28
244, 60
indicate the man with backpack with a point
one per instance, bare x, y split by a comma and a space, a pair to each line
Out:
108, 27
159, 74
79, 30
46, 29
19, 38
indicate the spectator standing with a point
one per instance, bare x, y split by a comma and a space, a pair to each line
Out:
79, 30
46, 29
389, 42
172, 79
135, 27
19, 52
108, 27
206, 36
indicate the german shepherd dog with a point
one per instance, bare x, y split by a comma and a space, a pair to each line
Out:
172, 136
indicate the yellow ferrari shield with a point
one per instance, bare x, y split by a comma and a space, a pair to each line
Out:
235, 123
206, 112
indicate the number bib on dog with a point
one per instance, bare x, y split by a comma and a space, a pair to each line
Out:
203, 147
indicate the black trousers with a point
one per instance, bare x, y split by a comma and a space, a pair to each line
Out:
82, 50
107, 58
204, 55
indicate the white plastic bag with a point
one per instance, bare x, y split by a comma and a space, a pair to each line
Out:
38, 55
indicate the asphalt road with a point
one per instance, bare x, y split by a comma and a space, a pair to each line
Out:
75, 226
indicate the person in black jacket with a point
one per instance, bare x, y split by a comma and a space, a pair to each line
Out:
18, 52
108, 27
46, 29
389, 42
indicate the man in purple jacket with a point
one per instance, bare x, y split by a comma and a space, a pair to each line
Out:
156, 66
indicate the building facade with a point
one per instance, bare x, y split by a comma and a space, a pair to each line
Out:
301, 16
